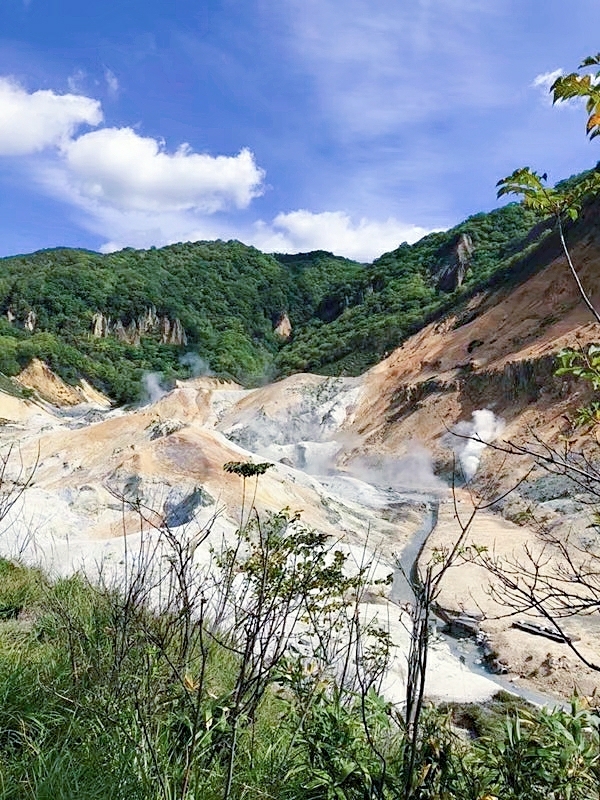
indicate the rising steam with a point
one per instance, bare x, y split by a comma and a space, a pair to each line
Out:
153, 390
197, 365
410, 472
469, 439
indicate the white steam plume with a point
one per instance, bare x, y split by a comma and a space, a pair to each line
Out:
410, 472
197, 365
153, 390
471, 438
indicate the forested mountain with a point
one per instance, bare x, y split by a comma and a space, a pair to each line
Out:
112, 317
402, 290
225, 297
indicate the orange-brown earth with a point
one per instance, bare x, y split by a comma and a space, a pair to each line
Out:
497, 352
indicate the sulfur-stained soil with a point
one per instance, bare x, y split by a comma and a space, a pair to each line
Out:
338, 449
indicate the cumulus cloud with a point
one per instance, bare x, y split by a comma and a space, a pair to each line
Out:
545, 79
287, 233
145, 229
32, 122
133, 191
543, 82
119, 168
304, 230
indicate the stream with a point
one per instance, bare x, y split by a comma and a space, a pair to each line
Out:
466, 648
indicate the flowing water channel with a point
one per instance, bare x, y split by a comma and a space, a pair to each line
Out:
373, 501
466, 649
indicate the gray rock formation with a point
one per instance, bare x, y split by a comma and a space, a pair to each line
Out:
177, 335
30, 321
164, 427
147, 324
180, 508
100, 325
455, 267
284, 326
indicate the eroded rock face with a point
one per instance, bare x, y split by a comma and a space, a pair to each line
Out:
148, 323
180, 507
28, 321
177, 334
452, 275
284, 327
165, 427
100, 325
47, 385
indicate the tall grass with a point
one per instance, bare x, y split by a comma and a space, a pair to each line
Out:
107, 692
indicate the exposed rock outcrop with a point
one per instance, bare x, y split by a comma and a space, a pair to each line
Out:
454, 270
30, 321
180, 507
39, 377
164, 427
176, 335
284, 326
147, 324
21, 319
100, 325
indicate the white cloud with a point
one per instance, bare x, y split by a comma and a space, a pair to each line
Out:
297, 231
118, 168
146, 229
376, 66
132, 191
545, 79
544, 82
335, 231
33, 122
112, 82
76, 81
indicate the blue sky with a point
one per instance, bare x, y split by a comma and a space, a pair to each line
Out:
348, 125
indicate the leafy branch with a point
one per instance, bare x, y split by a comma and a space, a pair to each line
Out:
554, 202
567, 87
564, 203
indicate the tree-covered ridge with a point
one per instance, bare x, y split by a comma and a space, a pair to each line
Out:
400, 292
228, 298
321, 285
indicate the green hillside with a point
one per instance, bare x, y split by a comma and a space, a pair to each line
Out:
228, 297
400, 291
225, 295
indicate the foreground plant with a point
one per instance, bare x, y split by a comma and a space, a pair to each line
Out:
566, 202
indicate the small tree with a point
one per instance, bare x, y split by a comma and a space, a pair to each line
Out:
561, 577
566, 203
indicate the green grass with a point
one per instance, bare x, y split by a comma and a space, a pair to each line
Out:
90, 709
9, 386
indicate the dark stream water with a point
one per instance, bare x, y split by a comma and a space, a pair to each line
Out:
466, 649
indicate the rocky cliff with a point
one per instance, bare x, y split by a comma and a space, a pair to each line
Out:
147, 324
283, 328
453, 271
496, 351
